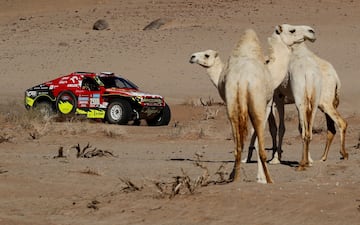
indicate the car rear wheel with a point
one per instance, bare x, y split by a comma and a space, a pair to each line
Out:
66, 103
162, 119
118, 112
44, 109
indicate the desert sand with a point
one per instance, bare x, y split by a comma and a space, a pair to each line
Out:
133, 180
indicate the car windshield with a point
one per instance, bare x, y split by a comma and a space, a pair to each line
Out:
116, 82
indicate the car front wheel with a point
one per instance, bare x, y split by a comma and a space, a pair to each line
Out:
118, 112
162, 119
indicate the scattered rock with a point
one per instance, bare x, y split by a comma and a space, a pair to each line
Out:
100, 25
156, 24
63, 44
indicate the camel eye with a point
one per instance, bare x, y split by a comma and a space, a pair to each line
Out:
292, 31
207, 56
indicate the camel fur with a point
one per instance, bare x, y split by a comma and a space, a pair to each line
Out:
244, 83
328, 103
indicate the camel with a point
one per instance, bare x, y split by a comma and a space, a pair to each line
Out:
219, 75
305, 82
244, 84
328, 103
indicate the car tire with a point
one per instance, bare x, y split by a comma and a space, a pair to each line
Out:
66, 103
45, 109
118, 112
162, 119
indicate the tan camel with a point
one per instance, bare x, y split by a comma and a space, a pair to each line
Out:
245, 85
210, 60
329, 101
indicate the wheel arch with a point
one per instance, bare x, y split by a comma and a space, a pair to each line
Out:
43, 98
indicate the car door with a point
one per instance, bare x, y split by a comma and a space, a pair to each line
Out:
89, 95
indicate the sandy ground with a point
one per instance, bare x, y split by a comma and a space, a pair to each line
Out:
133, 182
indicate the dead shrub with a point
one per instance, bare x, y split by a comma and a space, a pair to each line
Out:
60, 153
129, 186
89, 152
5, 138
207, 102
183, 184
211, 113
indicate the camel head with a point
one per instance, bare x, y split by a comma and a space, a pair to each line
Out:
291, 34
205, 59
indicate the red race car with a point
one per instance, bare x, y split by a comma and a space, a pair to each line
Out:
102, 96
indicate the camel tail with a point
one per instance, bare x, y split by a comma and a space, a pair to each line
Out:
238, 114
242, 102
336, 100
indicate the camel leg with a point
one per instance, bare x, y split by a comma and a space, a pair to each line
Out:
251, 147
273, 132
261, 154
259, 122
333, 116
235, 174
307, 124
279, 101
331, 131
303, 129
281, 111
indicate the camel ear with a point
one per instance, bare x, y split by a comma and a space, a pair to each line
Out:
216, 54
278, 29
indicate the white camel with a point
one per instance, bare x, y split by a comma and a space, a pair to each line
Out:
210, 60
280, 55
328, 102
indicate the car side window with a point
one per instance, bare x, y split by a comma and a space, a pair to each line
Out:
119, 83
89, 84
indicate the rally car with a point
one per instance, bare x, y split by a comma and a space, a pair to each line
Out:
100, 96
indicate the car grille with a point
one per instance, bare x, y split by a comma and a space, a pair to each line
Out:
152, 101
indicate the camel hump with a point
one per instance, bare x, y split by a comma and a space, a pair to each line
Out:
248, 46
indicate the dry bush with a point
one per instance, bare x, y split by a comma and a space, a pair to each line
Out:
5, 138
19, 120
183, 184
208, 101
89, 152
60, 153
129, 186
211, 113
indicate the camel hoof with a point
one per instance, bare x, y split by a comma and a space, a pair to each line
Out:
233, 176
300, 168
261, 180
274, 161
345, 156
264, 181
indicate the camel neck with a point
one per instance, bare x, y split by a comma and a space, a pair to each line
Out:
278, 64
215, 71
300, 49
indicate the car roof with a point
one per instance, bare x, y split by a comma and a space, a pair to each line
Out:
93, 74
